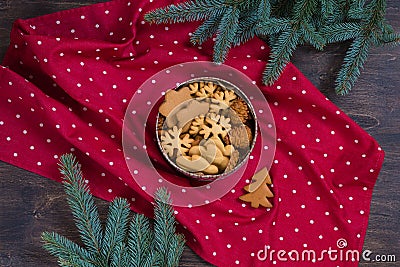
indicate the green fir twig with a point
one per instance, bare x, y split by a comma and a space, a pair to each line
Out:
286, 24
123, 242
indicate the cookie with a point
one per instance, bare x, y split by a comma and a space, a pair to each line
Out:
258, 191
196, 163
174, 98
192, 110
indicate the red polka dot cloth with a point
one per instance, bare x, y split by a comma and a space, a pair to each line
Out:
66, 83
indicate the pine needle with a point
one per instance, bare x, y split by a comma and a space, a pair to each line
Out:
116, 246
225, 35
286, 24
140, 240
116, 227
82, 205
170, 246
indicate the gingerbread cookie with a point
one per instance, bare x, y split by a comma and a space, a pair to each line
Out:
174, 98
196, 163
258, 190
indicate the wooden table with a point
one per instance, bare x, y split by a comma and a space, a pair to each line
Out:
31, 204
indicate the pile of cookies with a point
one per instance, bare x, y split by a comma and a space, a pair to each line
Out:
205, 128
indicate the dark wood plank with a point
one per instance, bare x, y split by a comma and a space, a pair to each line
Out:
31, 204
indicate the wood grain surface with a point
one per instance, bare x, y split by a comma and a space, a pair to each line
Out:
31, 204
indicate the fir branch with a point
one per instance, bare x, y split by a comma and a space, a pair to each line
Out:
272, 26
312, 37
82, 205
288, 40
206, 30
283, 8
340, 32
303, 10
153, 259
353, 62
170, 246
176, 248
392, 39
68, 252
281, 52
264, 10
142, 247
226, 32
140, 240
247, 27
187, 11
120, 256
315, 22
116, 227
356, 10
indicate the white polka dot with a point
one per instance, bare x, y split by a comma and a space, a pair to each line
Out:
39, 42
311, 221
228, 245
39, 163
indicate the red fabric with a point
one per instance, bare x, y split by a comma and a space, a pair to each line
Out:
65, 87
